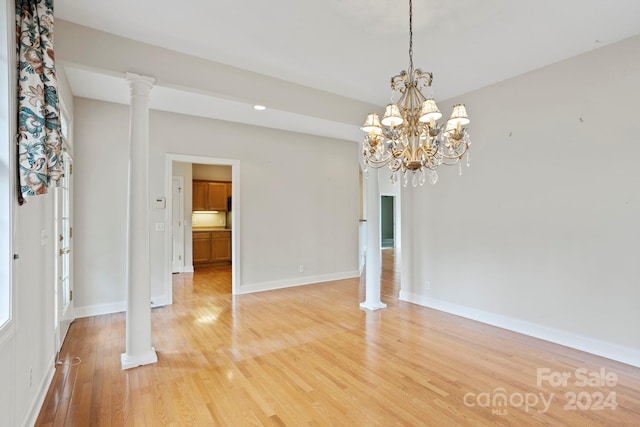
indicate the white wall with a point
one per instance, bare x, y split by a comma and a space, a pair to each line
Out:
100, 206
542, 234
35, 279
292, 212
212, 172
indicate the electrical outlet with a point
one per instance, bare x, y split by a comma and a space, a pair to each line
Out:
30, 376
301, 268
427, 285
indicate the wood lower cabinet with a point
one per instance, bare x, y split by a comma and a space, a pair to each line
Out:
211, 247
201, 247
221, 246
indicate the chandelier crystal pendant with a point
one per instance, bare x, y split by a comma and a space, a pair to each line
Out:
409, 139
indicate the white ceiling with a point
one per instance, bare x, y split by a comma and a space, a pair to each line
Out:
353, 47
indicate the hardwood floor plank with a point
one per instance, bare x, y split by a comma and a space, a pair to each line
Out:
308, 356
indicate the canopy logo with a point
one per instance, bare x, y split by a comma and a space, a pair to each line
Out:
584, 392
500, 401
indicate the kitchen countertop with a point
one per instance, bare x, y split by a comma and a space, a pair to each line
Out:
195, 230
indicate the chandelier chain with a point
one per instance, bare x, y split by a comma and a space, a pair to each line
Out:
410, 37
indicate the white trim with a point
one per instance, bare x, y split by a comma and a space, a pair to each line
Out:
615, 352
378, 305
7, 331
179, 266
113, 307
188, 269
299, 281
31, 415
147, 358
159, 301
8, 192
100, 309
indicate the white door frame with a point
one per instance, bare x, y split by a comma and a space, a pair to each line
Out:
236, 279
64, 312
177, 227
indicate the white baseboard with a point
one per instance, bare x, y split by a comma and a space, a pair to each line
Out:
598, 347
133, 361
159, 301
188, 269
100, 309
31, 416
297, 281
115, 307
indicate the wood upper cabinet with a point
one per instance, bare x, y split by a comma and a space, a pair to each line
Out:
200, 196
210, 195
217, 198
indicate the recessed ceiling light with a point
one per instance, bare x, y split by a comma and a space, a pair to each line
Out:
259, 107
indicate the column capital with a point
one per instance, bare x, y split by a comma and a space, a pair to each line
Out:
139, 84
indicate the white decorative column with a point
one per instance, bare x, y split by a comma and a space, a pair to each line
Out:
139, 350
373, 254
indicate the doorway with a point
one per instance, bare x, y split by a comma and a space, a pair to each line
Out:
387, 222
234, 217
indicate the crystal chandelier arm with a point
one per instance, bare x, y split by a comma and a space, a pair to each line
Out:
455, 149
377, 163
399, 81
395, 165
370, 152
422, 78
431, 157
400, 154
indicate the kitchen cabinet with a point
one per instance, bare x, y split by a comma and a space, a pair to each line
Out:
217, 197
210, 195
201, 247
212, 247
221, 246
200, 196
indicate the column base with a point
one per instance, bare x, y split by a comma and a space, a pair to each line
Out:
373, 306
147, 358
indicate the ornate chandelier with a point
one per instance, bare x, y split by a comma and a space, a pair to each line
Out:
409, 137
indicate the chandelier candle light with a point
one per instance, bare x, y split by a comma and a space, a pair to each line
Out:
409, 137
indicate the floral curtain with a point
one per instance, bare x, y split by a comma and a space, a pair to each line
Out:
39, 138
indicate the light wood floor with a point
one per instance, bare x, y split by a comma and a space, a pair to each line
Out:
309, 356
